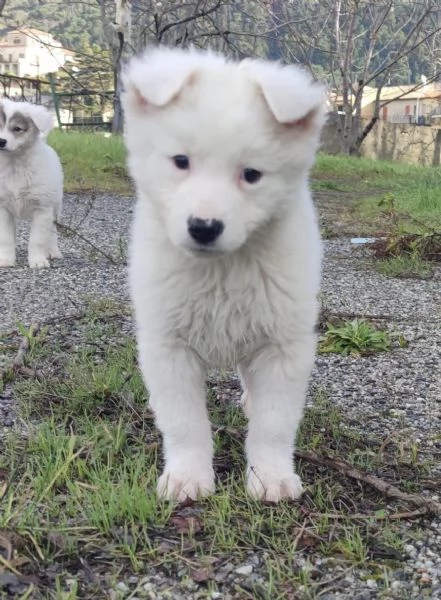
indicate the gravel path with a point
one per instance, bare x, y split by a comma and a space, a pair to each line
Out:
393, 393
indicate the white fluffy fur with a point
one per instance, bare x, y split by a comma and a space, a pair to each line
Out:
250, 300
31, 183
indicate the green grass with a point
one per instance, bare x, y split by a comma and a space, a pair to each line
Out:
79, 480
355, 337
416, 189
91, 161
406, 265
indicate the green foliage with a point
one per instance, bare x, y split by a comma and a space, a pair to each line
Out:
91, 161
72, 23
408, 265
395, 188
355, 337
409, 242
249, 28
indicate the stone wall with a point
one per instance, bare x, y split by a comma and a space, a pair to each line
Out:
389, 141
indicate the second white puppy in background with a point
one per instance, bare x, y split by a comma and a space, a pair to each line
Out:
31, 179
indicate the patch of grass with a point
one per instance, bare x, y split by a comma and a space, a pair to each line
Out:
404, 266
354, 337
91, 161
79, 481
363, 183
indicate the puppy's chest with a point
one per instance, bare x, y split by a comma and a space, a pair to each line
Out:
16, 193
224, 324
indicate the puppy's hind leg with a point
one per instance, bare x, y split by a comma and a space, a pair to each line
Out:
176, 384
245, 399
7, 238
54, 251
41, 238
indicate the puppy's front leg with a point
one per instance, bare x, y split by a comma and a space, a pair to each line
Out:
41, 238
7, 238
277, 380
175, 379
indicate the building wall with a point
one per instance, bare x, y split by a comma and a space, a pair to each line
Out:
25, 56
392, 141
402, 110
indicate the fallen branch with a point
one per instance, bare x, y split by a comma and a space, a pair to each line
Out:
24, 347
410, 514
17, 365
71, 230
387, 489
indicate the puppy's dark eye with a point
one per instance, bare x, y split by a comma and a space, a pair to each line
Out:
16, 129
251, 175
181, 161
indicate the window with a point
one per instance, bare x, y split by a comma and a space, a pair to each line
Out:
21, 55
17, 40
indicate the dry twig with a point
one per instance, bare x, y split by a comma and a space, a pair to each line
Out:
387, 489
71, 230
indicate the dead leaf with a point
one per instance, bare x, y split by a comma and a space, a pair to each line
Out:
165, 548
5, 547
201, 574
20, 561
186, 525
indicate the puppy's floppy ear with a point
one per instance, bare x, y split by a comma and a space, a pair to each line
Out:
290, 93
157, 77
39, 115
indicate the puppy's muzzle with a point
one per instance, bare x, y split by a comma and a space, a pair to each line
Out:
2, 143
204, 231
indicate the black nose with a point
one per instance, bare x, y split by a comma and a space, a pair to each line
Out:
2, 143
204, 231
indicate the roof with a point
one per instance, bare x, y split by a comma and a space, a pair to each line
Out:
403, 92
397, 92
30, 30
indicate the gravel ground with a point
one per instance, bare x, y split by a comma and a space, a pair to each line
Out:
396, 393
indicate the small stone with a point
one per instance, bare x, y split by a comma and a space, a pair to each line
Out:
122, 587
371, 584
244, 570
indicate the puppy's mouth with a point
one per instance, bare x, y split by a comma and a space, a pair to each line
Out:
204, 251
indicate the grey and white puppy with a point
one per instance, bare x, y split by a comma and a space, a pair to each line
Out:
31, 182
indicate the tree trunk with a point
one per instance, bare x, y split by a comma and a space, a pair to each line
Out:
118, 121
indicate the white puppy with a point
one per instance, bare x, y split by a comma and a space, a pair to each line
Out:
31, 182
225, 256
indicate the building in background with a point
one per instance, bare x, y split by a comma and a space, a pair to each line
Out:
28, 52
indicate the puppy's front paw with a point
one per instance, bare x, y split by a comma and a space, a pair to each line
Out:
55, 253
180, 484
38, 262
273, 486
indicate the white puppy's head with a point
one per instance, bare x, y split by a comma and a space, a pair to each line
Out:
21, 123
219, 147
